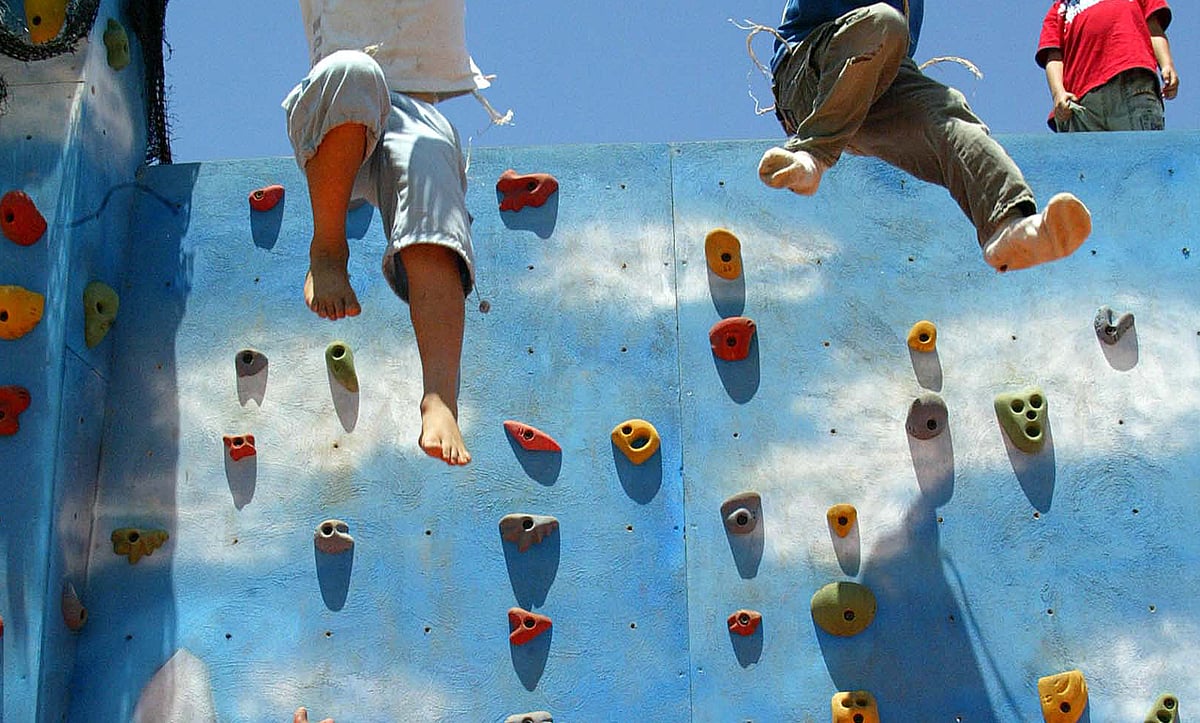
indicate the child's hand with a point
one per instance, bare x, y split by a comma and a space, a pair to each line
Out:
1170, 86
1063, 109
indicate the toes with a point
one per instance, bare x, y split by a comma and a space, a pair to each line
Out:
301, 716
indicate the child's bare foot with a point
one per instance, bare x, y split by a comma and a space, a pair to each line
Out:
301, 716
796, 171
327, 289
440, 435
1047, 236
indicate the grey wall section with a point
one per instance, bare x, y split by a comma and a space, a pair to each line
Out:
992, 567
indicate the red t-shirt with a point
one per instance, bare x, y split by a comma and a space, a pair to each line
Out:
1099, 39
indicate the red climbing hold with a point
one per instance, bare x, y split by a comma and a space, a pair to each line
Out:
526, 625
519, 191
730, 338
266, 198
20, 219
531, 438
744, 622
13, 401
240, 446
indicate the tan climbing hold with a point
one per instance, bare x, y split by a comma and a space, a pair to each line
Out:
136, 544
74, 614
637, 439
20, 311
923, 336
842, 518
723, 251
856, 706
333, 537
1063, 696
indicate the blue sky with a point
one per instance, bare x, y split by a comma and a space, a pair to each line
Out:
604, 71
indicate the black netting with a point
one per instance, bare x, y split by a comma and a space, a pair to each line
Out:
147, 19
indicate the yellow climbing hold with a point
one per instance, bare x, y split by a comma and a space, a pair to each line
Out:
1064, 696
723, 252
20, 311
136, 544
100, 304
45, 19
922, 336
856, 706
637, 439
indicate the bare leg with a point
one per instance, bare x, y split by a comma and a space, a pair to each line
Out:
437, 307
301, 716
330, 174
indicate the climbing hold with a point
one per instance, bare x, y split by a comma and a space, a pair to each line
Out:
13, 401
857, 706
637, 439
116, 42
20, 220
730, 338
340, 361
526, 625
1109, 327
843, 608
20, 311
1022, 416
741, 512
519, 191
841, 518
539, 716
531, 438
1064, 696
922, 336
136, 544
927, 417
1165, 710
723, 252
74, 614
249, 362
526, 530
266, 198
240, 446
744, 622
45, 19
100, 304
333, 537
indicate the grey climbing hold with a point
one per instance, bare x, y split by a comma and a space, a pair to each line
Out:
540, 716
1165, 710
741, 513
927, 417
1110, 327
333, 537
250, 362
526, 530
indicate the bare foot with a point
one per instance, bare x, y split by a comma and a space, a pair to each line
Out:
440, 435
797, 171
327, 289
301, 716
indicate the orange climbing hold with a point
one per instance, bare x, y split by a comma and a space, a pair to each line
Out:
856, 706
841, 518
730, 338
519, 191
531, 438
744, 622
45, 19
20, 220
74, 614
637, 439
723, 252
266, 198
922, 336
13, 401
20, 311
526, 625
240, 446
1064, 696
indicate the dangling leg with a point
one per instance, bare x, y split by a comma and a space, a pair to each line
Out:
331, 174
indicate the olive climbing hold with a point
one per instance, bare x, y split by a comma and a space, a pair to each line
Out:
927, 417
637, 439
519, 191
531, 438
340, 361
266, 198
20, 311
45, 19
1109, 327
20, 219
136, 544
856, 706
723, 252
843, 608
922, 336
249, 362
116, 43
1064, 696
525, 625
741, 512
100, 304
526, 530
240, 446
539, 716
1165, 710
333, 537
1022, 416
744, 622
13, 401
730, 338
74, 614
841, 518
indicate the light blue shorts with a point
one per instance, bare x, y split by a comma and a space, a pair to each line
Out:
413, 170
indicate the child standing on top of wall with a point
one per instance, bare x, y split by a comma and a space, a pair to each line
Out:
844, 79
363, 125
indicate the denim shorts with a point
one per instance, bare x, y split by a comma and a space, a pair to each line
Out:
413, 170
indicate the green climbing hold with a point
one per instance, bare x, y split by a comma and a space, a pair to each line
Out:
100, 305
1022, 416
340, 361
843, 608
116, 40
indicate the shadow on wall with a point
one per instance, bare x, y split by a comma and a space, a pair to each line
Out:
138, 469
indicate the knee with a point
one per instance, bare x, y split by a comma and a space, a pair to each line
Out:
888, 24
349, 67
